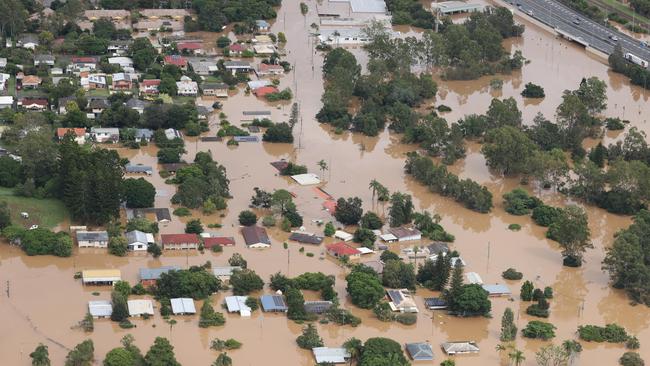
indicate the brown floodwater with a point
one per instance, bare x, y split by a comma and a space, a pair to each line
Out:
41, 301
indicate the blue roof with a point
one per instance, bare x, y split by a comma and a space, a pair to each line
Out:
420, 351
273, 303
246, 138
262, 23
154, 273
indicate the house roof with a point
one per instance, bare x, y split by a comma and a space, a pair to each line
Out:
268, 67
435, 302
238, 304
189, 45
164, 12
100, 308
150, 82
273, 303
255, 235
224, 271
218, 240
44, 57
236, 64
32, 101
140, 307
420, 351
179, 239
474, 278
99, 103
162, 214
403, 232
262, 23
84, 60
438, 247
345, 236
305, 179
205, 86
377, 266
177, 60
172, 167
401, 298
154, 273
330, 355
6, 100
262, 91
31, 79
246, 138
236, 47
143, 132
113, 131
138, 104
342, 248
306, 238
460, 347
101, 274
317, 307
497, 289
183, 305
60, 132
92, 236
136, 236
138, 168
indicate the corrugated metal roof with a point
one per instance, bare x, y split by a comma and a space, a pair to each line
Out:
183, 305
92, 236
330, 355
420, 351
273, 303
140, 307
154, 273
238, 304
224, 271
98, 274
100, 308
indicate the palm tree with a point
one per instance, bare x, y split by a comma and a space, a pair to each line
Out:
416, 249
516, 357
353, 346
323, 167
572, 349
375, 187
500, 348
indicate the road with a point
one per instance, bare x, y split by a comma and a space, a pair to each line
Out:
569, 21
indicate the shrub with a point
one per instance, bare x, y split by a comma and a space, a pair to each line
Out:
614, 124
514, 227
548, 292
631, 359
182, 211
443, 108
612, 333
407, 318
209, 317
632, 343
544, 215
539, 310
533, 91
512, 274
518, 202
247, 218
538, 329
268, 221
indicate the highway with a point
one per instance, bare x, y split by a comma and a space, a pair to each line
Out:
569, 22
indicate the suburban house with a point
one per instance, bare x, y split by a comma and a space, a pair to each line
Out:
269, 69
180, 241
118, 47
100, 276
237, 304
111, 14
274, 303
474, 278
187, 87
224, 273
63, 103
438, 248
193, 47
31, 81
223, 241
125, 63
183, 306
98, 105
327, 355
158, 214
377, 266
262, 25
28, 41
6, 101
92, 239
121, 81
150, 276
140, 307
256, 237
176, 60
264, 49
236, 49
238, 66
263, 91
435, 303
137, 105
138, 169
318, 307
100, 309
34, 104
406, 234
342, 37
45, 60
203, 67
420, 351
83, 63
94, 81
462, 347
401, 300
215, 89
137, 240
341, 249
79, 134
102, 135
164, 13
202, 112
171, 134
497, 290
255, 84
342, 235
306, 238
142, 134
149, 87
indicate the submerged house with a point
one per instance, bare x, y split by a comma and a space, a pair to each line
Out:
180, 241
100, 309
140, 307
401, 300
100, 276
405, 233
183, 306
237, 304
137, 240
327, 355
306, 238
150, 276
274, 303
420, 351
92, 239
462, 347
256, 237
339, 250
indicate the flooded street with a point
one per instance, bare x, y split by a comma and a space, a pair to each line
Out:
41, 301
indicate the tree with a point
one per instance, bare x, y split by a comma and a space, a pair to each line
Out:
40, 356
348, 212
401, 209
222, 360
195, 282
194, 227
247, 218
516, 357
10, 172
155, 250
571, 230
161, 353
546, 215
236, 260
322, 165
295, 304
533, 91
448, 362
118, 246
508, 327
382, 351
5, 215
518, 202
598, 155
526, 293
309, 338
551, 355
455, 288
398, 274
508, 150
354, 346
245, 281
223, 42
120, 307
471, 300
278, 132
139, 193
631, 359
118, 357
329, 229
209, 317
593, 94
539, 329
572, 348
364, 287
81, 355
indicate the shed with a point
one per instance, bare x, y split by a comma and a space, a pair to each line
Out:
365, 250
100, 308
340, 234
327, 355
420, 351
246, 138
317, 307
183, 306
140, 307
406, 233
255, 237
237, 304
497, 290
100, 276
274, 303
388, 238
306, 179
306, 238
435, 303
461, 347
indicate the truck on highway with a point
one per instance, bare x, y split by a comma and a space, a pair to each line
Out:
636, 59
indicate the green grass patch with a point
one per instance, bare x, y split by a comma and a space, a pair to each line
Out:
46, 213
183, 99
97, 93
514, 227
627, 10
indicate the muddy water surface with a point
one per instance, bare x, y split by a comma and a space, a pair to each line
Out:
41, 301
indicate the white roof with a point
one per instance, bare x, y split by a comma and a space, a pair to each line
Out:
100, 308
238, 304
122, 61
365, 250
140, 307
306, 179
330, 355
183, 306
254, 84
388, 237
474, 278
7, 99
340, 234
368, 6
224, 271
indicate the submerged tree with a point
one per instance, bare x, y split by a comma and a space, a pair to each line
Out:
40, 356
508, 327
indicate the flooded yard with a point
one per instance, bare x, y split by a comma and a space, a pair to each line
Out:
41, 301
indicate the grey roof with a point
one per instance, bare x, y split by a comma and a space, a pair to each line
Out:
420, 351
154, 273
99, 103
44, 57
224, 271
435, 302
395, 296
438, 247
183, 306
92, 236
162, 214
143, 133
202, 110
137, 168
246, 138
497, 289
317, 307
237, 64
214, 86
368, 6
100, 308
452, 348
137, 104
377, 266
136, 236
262, 23
306, 238
256, 113
63, 101
330, 355
28, 38
273, 303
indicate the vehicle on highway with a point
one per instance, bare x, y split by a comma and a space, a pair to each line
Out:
530, 12
636, 59
613, 38
576, 21
644, 44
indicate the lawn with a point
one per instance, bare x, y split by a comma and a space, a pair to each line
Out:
627, 10
97, 92
46, 213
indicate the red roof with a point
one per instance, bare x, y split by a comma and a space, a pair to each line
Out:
84, 60
179, 239
177, 60
60, 132
341, 249
150, 82
260, 92
30, 101
220, 240
236, 47
266, 67
330, 205
189, 46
